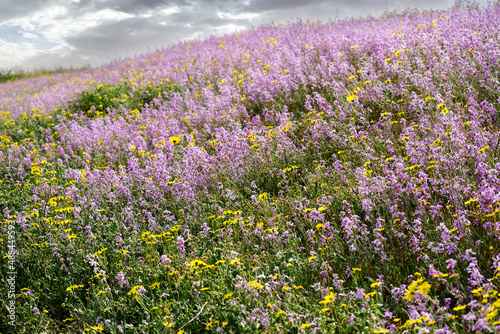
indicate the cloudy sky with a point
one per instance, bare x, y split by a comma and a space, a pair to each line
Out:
38, 34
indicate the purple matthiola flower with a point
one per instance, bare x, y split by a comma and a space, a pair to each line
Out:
450, 264
121, 278
165, 259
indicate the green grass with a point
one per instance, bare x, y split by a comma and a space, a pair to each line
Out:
13, 74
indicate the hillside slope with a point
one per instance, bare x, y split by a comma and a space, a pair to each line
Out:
307, 177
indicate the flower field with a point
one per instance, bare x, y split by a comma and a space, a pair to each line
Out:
339, 177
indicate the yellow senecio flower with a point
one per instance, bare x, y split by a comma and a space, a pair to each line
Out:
351, 98
370, 294
197, 262
419, 285
98, 328
328, 298
255, 285
174, 140
424, 288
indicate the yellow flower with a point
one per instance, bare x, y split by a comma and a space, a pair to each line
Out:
328, 298
197, 262
98, 328
483, 149
100, 252
382, 330
255, 285
375, 285
351, 98
325, 309
459, 307
174, 140
305, 326
424, 288
414, 286
369, 294
134, 290
228, 295
234, 261
72, 287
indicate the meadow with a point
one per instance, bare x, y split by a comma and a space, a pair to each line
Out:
338, 177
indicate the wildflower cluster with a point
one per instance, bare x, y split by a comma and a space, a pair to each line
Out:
304, 177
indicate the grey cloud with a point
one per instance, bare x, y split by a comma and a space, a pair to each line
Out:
13, 9
258, 6
150, 28
133, 6
134, 33
129, 34
125, 6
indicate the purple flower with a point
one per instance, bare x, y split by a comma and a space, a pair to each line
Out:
165, 259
